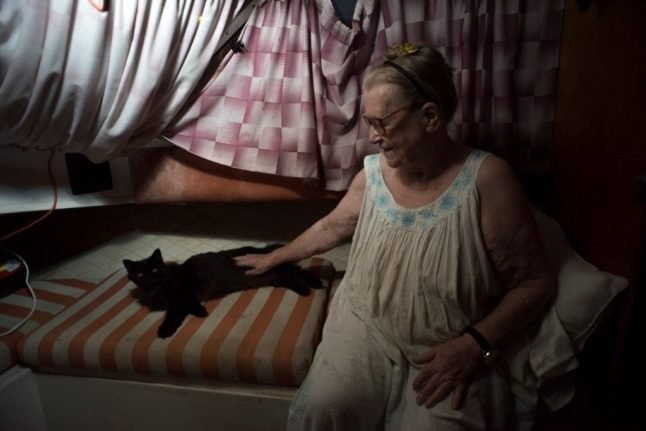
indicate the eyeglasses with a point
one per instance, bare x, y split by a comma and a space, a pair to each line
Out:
379, 125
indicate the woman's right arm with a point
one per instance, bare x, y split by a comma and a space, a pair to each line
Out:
322, 236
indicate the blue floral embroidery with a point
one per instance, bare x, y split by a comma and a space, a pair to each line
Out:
382, 200
408, 219
391, 215
427, 213
424, 216
447, 202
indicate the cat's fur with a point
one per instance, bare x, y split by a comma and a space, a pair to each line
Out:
180, 288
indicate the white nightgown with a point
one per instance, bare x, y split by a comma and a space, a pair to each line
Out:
416, 278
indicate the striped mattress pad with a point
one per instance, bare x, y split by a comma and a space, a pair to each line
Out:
266, 335
52, 298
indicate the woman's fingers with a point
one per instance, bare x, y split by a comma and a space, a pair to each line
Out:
433, 393
444, 372
422, 378
424, 357
250, 261
458, 397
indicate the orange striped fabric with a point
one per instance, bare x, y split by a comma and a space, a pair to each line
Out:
265, 335
52, 296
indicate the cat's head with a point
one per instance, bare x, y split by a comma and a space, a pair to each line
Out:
146, 273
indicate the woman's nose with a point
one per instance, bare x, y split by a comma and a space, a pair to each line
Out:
373, 136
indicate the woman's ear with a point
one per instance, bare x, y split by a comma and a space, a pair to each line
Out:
432, 116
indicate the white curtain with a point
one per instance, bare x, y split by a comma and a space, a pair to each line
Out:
103, 83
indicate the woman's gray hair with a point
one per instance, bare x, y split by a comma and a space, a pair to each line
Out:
422, 74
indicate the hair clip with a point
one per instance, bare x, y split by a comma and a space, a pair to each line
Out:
406, 49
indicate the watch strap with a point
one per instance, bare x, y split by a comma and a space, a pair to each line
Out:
480, 339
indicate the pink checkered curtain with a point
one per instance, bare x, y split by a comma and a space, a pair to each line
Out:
290, 104
505, 55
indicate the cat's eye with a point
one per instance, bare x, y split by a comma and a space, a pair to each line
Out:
140, 274
155, 269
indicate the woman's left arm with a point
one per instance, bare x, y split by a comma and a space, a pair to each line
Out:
514, 246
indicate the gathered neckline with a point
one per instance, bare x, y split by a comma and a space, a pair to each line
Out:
454, 184
422, 216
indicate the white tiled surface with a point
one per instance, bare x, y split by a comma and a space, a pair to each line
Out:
181, 231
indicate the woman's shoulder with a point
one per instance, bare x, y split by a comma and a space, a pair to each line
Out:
499, 189
358, 185
493, 170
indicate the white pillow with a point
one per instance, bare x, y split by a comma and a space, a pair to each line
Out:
583, 291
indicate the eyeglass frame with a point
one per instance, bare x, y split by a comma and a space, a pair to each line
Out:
378, 123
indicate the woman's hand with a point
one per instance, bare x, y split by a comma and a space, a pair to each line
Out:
447, 368
258, 263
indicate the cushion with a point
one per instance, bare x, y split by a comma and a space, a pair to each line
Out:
550, 345
266, 335
584, 291
52, 296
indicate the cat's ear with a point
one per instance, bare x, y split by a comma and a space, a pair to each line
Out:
127, 263
157, 255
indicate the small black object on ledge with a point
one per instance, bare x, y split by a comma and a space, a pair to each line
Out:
238, 47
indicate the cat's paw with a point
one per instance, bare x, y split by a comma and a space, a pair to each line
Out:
301, 290
200, 312
165, 332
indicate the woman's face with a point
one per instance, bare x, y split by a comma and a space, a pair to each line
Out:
394, 125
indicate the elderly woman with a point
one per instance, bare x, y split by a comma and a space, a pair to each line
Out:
446, 265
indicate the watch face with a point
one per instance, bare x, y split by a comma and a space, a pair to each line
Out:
489, 357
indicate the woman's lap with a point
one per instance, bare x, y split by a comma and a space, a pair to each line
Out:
354, 385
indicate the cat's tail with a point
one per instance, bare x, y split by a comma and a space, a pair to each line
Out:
299, 280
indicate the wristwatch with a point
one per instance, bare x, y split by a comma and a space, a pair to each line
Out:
489, 355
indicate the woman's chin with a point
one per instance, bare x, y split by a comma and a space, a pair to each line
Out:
391, 159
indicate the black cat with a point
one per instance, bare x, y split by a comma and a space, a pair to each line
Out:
180, 288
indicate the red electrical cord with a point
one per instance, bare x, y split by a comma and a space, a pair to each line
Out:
49, 212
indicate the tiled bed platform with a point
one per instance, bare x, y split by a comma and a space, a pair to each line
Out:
97, 355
